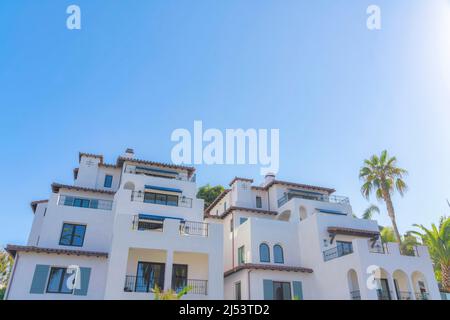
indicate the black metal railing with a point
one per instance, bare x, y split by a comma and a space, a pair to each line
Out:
194, 228
180, 201
422, 296
355, 295
317, 197
338, 251
377, 247
404, 295
143, 284
197, 286
140, 284
384, 294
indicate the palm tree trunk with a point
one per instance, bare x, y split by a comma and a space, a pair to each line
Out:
391, 213
445, 274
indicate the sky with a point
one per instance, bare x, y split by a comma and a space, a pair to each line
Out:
138, 70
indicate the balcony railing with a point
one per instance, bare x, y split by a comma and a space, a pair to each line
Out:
148, 224
74, 201
182, 201
336, 252
404, 295
384, 294
422, 296
317, 197
355, 295
143, 284
194, 228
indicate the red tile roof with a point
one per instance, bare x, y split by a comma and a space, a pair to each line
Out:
121, 160
57, 186
230, 209
241, 179
13, 249
90, 155
352, 232
254, 266
217, 200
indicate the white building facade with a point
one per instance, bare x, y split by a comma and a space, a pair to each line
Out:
119, 232
285, 240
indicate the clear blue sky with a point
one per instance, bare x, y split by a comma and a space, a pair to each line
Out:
140, 69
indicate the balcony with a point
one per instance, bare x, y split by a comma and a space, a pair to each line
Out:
75, 201
162, 199
146, 284
312, 196
338, 251
143, 222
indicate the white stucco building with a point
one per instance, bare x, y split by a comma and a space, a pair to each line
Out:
285, 240
124, 229
128, 227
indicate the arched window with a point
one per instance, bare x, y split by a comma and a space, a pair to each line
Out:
278, 254
264, 253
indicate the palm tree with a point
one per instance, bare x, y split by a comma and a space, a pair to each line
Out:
387, 235
382, 176
438, 242
370, 210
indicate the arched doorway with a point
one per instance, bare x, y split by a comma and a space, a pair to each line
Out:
420, 286
384, 286
353, 285
402, 285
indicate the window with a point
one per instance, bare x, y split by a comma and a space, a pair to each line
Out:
264, 253
179, 277
241, 255
281, 290
237, 291
225, 206
150, 224
72, 235
258, 202
57, 281
108, 181
81, 202
278, 254
231, 225
160, 198
242, 220
344, 247
149, 275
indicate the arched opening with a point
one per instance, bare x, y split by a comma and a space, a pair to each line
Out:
129, 186
303, 214
278, 256
353, 285
264, 253
420, 286
285, 215
384, 290
401, 285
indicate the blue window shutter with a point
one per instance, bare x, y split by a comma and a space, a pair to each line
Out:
268, 289
84, 281
39, 279
298, 290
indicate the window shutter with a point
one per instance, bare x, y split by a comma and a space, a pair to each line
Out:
85, 274
268, 289
39, 279
298, 290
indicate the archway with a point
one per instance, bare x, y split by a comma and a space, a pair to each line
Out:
420, 286
384, 285
353, 285
402, 285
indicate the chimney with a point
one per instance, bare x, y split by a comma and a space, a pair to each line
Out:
129, 153
269, 178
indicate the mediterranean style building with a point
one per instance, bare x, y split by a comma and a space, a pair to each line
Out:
122, 230
119, 231
285, 240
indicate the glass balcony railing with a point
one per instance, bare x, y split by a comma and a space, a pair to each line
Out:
161, 199
338, 251
75, 201
313, 196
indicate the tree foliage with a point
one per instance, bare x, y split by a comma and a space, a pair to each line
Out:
209, 193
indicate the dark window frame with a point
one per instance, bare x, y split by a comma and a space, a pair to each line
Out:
275, 260
73, 225
61, 281
159, 282
176, 278
237, 293
108, 181
161, 199
241, 255
281, 284
266, 246
258, 202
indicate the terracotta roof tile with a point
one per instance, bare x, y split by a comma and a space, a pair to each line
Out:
12, 249
57, 186
253, 266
